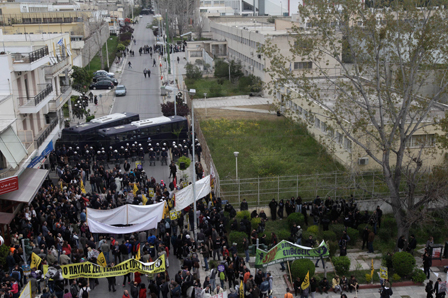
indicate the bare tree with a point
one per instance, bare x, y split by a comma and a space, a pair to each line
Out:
376, 100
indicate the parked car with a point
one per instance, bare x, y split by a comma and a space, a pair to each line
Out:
103, 73
120, 90
105, 78
102, 85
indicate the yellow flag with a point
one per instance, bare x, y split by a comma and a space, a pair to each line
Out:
372, 270
101, 260
166, 211
138, 256
241, 289
144, 199
306, 281
61, 185
83, 190
35, 261
135, 189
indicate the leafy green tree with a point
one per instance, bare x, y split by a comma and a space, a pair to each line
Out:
81, 77
376, 100
193, 72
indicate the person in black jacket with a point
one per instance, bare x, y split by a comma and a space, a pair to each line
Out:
427, 263
111, 280
429, 289
244, 205
297, 286
273, 206
401, 243
412, 244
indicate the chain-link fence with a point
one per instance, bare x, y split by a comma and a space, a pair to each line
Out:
260, 191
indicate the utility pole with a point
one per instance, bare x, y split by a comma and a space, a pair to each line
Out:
167, 32
107, 54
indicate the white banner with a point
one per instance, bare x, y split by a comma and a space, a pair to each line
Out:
97, 227
116, 216
127, 214
184, 197
138, 214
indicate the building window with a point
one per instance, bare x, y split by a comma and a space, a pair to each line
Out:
347, 144
339, 138
323, 126
316, 122
330, 132
303, 65
196, 54
421, 141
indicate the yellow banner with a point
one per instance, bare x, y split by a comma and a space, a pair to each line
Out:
372, 270
241, 289
306, 281
174, 214
83, 189
144, 199
135, 189
90, 270
35, 261
383, 272
101, 260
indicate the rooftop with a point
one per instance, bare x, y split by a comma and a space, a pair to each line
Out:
255, 25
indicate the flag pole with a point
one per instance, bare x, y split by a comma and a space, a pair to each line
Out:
289, 269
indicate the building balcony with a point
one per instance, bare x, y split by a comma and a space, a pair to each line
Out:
32, 105
57, 102
46, 134
30, 61
55, 69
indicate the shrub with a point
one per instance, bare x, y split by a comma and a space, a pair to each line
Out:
283, 235
238, 238
185, 160
329, 236
4, 251
242, 214
299, 268
354, 236
384, 235
296, 218
341, 265
403, 263
313, 229
121, 47
333, 247
418, 276
338, 229
368, 278
396, 277
193, 72
387, 261
255, 222
215, 90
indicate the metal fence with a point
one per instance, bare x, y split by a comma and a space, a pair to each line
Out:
259, 191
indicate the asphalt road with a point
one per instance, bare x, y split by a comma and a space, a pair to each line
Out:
143, 97
143, 94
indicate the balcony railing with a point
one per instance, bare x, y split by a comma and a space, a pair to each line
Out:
30, 57
39, 140
51, 70
34, 101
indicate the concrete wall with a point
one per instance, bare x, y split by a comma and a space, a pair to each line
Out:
94, 43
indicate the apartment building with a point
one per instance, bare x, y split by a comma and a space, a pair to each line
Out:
33, 88
244, 37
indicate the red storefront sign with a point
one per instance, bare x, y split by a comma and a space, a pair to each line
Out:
9, 184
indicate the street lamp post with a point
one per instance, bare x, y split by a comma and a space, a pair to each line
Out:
205, 101
193, 92
238, 181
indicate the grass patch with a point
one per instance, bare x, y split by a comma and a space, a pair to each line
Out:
266, 148
95, 64
214, 89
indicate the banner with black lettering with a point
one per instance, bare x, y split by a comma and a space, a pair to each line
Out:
90, 270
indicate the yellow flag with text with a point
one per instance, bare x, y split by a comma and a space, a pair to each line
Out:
35, 261
306, 281
138, 256
144, 199
101, 260
135, 189
83, 190
241, 289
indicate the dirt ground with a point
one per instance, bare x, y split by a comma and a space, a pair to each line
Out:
240, 115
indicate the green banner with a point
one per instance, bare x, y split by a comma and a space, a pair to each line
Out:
287, 251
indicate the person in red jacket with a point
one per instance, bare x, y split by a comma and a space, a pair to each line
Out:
142, 293
137, 278
15, 289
